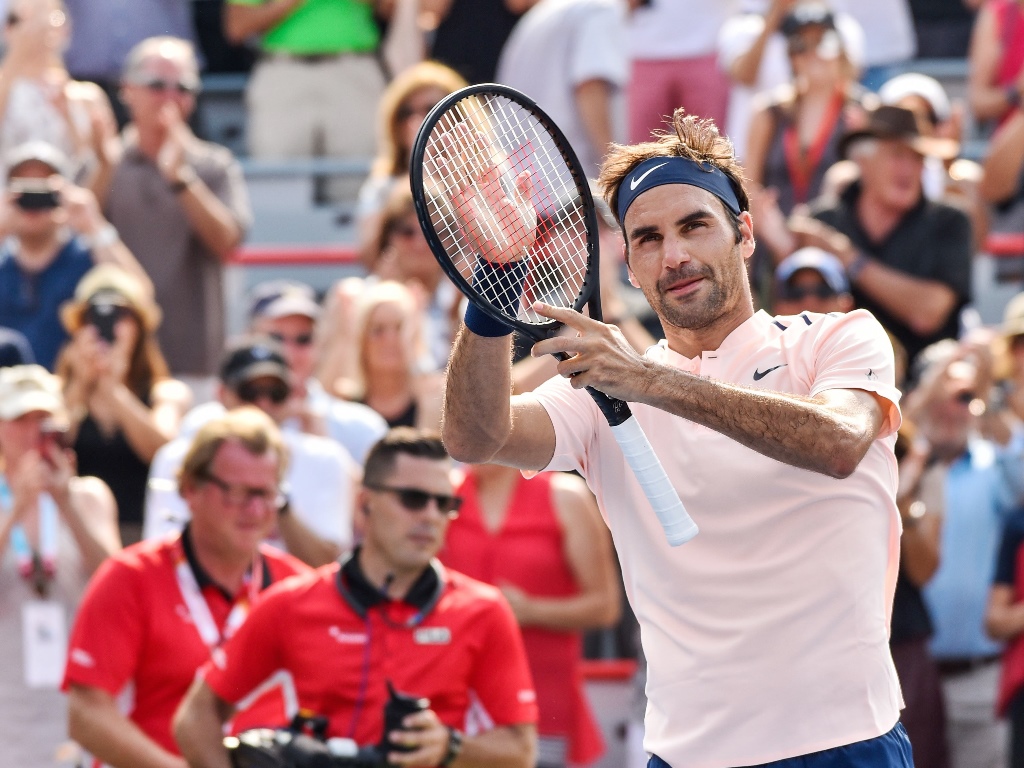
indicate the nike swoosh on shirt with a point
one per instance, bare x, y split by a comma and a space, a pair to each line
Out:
635, 181
758, 375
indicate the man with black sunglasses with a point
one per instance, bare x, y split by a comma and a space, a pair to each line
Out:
179, 202
315, 524
389, 613
812, 280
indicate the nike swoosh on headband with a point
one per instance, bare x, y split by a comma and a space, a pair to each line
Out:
635, 181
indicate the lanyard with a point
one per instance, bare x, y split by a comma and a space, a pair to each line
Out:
40, 566
198, 608
800, 165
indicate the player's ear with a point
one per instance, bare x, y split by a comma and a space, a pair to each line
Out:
632, 277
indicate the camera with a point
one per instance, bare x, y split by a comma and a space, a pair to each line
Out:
34, 194
303, 744
103, 315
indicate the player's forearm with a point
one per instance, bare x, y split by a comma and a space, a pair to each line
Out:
477, 417
503, 747
95, 722
799, 431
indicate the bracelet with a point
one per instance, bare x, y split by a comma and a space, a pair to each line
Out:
185, 178
856, 267
104, 237
454, 747
1012, 95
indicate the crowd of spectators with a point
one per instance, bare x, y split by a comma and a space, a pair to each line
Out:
129, 418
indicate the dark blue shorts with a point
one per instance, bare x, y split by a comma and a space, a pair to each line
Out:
890, 750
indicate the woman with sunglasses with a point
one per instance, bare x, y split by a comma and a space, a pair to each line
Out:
406, 101
40, 101
123, 404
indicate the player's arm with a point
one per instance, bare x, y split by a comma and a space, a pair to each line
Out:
481, 422
587, 548
827, 433
199, 727
95, 722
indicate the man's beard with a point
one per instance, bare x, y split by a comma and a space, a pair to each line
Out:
692, 314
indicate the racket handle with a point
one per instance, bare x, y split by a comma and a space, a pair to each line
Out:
678, 525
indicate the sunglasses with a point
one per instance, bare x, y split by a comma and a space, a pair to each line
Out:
416, 500
276, 392
302, 340
798, 293
159, 85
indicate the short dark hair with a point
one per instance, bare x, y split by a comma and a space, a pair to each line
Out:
419, 443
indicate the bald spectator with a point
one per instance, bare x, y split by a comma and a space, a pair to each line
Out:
179, 202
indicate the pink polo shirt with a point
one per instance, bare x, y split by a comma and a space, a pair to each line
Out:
767, 635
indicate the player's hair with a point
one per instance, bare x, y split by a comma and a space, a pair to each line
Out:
689, 137
249, 426
419, 443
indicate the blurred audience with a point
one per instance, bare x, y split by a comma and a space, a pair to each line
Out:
54, 233
996, 60
811, 280
943, 27
892, 240
795, 135
156, 612
55, 530
920, 501
315, 89
888, 36
979, 470
673, 63
40, 102
287, 311
105, 31
468, 35
403, 106
570, 57
1008, 348
1002, 179
179, 202
382, 363
543, 543
1004, 620
314, 521
122, 403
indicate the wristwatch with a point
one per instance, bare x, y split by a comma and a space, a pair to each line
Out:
185, 177
454, 747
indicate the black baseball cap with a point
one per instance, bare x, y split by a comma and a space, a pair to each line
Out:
809, 14
252, 357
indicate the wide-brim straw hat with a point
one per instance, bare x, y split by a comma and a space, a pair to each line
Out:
116, 286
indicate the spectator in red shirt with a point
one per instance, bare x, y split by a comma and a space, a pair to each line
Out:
390, 612
153, 614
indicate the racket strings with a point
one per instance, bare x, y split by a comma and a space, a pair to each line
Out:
478, 152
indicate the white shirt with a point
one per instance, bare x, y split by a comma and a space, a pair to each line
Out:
766, 636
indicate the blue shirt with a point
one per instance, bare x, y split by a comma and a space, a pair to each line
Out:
30, 301
982, 490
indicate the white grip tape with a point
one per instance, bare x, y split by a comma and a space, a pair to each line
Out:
678, 525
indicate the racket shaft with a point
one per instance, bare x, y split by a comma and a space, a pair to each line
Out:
678, 525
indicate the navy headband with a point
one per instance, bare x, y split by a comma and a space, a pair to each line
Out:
655, 171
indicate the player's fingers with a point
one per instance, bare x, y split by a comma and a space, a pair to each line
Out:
566, 315
559, 345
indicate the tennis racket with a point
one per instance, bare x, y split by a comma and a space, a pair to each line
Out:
492, 175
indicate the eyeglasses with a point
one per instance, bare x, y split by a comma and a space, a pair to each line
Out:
238, 495
416, 500
302, 340
277, 392
159, 85
798, 293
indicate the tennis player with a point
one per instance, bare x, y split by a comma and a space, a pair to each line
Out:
766, 636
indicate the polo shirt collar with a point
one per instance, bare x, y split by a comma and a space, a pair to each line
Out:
203, 579
752, 330
420, 595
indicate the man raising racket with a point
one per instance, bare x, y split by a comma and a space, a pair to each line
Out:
766, 636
